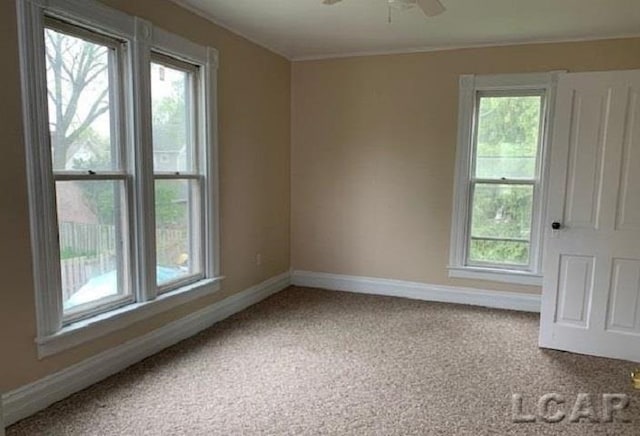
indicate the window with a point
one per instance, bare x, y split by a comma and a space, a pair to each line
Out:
121, 145
500, 170
178, 181
89, 172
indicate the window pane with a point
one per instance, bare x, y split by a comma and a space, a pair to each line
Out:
78, 85
498, 252
92, 263
177, 230
508, 133
502, 211
172, 119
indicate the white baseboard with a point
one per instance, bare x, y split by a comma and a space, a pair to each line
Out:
29, 399
418, 291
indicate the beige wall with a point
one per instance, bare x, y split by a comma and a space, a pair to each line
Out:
254, 103
373, 149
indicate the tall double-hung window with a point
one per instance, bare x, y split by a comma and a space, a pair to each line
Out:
498, 204
121, 143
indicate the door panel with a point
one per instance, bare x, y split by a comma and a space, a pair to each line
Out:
624, 297
628, 208
588, 126
575, 286
591, 292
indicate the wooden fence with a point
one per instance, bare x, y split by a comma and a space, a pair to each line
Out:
89, 250
87, 239
77, 271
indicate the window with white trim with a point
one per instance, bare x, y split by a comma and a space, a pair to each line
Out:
499, 195
120, 126
177, 179
89, 168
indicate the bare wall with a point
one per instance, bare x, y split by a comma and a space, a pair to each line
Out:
254, 121
373, 149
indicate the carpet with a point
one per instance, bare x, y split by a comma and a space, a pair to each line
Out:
308, 361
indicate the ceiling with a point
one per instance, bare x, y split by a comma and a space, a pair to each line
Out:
303, 29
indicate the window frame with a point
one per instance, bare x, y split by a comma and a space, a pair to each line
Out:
472, 89
195, 174
119, 175
54, 332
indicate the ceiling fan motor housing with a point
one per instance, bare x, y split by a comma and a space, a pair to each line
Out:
402, 4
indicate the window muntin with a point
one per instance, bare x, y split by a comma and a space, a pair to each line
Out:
88, 166
505, 177
178, 178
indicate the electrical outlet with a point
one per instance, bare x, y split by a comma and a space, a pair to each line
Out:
258, 259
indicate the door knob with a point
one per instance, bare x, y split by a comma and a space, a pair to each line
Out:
556, 225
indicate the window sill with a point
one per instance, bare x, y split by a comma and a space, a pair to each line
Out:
496, 275
90, 329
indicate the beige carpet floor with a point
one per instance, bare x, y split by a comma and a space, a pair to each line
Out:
318, 362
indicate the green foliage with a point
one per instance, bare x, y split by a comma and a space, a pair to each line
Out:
171, 207
508, 126
98, 195
70, 253
502, 211
514, 253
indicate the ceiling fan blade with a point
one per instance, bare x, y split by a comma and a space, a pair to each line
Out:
331, 2
431, 8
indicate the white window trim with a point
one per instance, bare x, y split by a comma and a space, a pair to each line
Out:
470, 85
142, 38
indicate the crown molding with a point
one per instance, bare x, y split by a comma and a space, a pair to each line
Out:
210, 17
412, 50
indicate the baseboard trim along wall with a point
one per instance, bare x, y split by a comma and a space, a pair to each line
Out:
418, 291
31, 398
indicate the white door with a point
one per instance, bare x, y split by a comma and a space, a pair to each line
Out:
591, 292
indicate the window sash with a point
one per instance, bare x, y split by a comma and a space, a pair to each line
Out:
83, 32
123, 256
117, 129
195, 233
479, 95
193, 103
117, 73
88, 310
535, 182
471, 238
196, 214
490, 238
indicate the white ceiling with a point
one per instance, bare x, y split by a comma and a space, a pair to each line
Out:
301, 29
